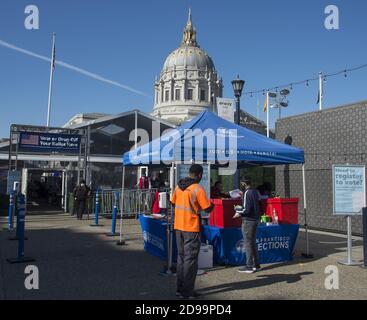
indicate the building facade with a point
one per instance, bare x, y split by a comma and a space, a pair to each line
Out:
328, 137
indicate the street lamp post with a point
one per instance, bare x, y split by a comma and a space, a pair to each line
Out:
238, 85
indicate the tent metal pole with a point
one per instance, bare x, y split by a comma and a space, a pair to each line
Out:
307, 254
122, 242
169, 230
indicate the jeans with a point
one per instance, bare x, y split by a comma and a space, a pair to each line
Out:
188, 248
249, 235
80, 206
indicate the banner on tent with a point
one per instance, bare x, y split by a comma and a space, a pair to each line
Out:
274, 243
155, 237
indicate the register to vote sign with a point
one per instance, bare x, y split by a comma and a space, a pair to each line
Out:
349, 184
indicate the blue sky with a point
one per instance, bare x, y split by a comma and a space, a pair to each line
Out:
267, 42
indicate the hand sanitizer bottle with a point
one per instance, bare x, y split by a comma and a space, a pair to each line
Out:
275, 217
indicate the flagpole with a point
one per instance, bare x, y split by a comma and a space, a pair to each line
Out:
51, 78
267, 115
321, 89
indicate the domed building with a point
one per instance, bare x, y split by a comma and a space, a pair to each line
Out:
188, 83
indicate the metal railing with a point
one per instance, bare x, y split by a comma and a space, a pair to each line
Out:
136, 201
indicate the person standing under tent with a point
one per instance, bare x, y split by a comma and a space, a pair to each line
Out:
188, 199
143, 181
250, 214
216, 191
81, 194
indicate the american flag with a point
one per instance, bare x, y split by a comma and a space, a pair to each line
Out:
29, 139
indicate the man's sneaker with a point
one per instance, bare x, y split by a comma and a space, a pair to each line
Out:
246, 270
256, 268
178, 294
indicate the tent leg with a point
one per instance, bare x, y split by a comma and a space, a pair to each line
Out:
168, 269
122, 242
307, 254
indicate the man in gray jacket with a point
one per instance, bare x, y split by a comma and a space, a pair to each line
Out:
250, 219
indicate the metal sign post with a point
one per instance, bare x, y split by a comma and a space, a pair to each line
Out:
350, 261
349, 197
365, 237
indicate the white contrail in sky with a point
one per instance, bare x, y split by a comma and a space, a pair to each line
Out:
71, 67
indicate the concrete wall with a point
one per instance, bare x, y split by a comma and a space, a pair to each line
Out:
331, 136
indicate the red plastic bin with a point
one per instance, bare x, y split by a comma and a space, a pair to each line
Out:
287, 209
223, 212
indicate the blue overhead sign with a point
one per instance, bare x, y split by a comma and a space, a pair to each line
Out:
49, 142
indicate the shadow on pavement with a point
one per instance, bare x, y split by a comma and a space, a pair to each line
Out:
321, 245
261, 281
79, 265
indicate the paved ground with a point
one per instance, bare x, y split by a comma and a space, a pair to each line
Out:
77, 261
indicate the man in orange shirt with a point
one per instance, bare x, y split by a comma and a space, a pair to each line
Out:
189, 198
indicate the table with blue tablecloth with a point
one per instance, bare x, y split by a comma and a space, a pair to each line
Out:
275, 243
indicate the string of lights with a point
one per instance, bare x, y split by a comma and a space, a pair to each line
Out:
346, 156
307, 81
335, 154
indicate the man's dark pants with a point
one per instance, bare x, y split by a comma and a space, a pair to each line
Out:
188, 248
249, 235
80, 206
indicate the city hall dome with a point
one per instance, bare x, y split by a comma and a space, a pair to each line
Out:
188, 82
189, 56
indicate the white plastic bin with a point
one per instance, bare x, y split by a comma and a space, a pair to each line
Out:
206, 256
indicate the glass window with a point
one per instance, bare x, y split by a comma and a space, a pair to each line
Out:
166, 95
189, 94
202, 95
177, 94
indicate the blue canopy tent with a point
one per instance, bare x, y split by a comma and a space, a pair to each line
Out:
210, 139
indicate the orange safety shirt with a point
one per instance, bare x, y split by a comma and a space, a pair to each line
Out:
188, 204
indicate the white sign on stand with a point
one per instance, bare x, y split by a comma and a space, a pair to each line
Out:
183, 172
349, 198
349, 186
226, 108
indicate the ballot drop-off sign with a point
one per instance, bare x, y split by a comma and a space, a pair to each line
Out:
349, 189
